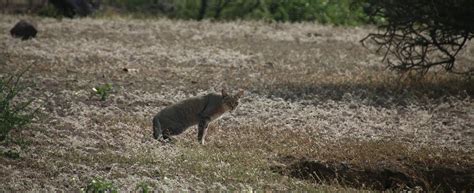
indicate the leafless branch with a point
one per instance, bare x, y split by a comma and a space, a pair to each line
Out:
420, 34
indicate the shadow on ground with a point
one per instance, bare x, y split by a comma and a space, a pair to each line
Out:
382, 177
385, 94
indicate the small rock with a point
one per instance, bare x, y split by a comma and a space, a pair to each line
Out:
269, 65
23, 30
314, 34
130, 70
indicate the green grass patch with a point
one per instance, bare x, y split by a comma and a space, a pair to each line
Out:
10, 154
100, 185
103, 91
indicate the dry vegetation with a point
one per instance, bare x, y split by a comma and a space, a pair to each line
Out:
316, 101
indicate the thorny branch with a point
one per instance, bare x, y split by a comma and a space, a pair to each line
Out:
420, 34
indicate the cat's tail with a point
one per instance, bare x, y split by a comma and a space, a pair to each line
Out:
157, 131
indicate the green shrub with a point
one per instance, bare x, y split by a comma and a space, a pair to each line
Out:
49, 11
143, 187
99, 185
14, 113
103, 91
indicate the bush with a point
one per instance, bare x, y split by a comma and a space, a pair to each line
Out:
103, 91
421, 34
49, 11
14, 113
334, 12
99, 185
143, 187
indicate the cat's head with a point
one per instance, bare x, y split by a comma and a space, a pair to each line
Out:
231, 101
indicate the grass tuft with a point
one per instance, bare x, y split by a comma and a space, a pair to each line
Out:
100, 185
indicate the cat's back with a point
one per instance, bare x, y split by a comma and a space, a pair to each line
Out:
181, 114
190, 105
186, 111
198, 103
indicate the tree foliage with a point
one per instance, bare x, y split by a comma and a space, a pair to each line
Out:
421, 34
70, 8
324, 11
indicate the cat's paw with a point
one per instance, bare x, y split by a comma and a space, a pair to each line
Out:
169, 140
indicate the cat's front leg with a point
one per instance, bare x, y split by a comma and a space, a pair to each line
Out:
202, 129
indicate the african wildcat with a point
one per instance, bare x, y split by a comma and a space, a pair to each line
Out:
175, 119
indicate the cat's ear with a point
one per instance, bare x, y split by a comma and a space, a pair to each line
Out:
240, 93
224, 92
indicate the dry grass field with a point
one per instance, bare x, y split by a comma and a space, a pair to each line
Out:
320, 112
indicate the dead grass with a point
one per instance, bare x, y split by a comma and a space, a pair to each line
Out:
310, 101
